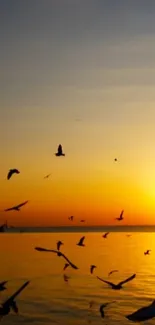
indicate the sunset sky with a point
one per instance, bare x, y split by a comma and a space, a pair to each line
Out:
80, 73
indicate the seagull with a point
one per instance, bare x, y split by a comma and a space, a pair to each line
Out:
121, 216
143, 313
10, 303
65, 267
119, 285
103, 306
40, 249
60, 152
71, 218
16, 207
80, 243
147, 252
66, 277
105, 235
59, 243
2, 285
11, 172
92, 267
47, 176
112, 272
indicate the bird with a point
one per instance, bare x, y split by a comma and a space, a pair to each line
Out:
119, 285
82, 220
16, 207
2, 285
103, 306
105, 235
66, 277
59, 152
143, 313
47, 176
40, 249
112, 272
115, 159
11, 172
121, 216
128, 235
65, 266
92, 267
80, 243
10, 303
71, 218
147, 252
59, 243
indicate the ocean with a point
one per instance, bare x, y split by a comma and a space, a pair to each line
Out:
48, 299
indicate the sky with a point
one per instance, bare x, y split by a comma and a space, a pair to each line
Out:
80, 73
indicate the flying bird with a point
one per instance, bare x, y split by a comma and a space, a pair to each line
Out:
121, 216
71, 218
80, 243
111, 272
16, 207
105, 235
2, 285
120, 284
47, 176
143, 313
66, 277
11, 172
40, 249
10, 303
59, 243
92, 267
65, 266
59, 152
147, 252
103, 306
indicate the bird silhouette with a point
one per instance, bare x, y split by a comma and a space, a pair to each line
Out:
103, 306
121, 216
80, 243
71, 218
59, 152
143, 313
82, 220
10, 303
16, 207
2, 285
59, 243
147, 252
40, 249
65, 266
66, 277
120, 284
11, 172
92, 267
105, 235
115, 159
113, 271
47, 176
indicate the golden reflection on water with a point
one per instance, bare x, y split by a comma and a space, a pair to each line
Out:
48, 297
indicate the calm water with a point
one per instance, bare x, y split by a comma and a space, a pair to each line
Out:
50, 300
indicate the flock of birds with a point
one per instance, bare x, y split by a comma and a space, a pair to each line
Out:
142, 314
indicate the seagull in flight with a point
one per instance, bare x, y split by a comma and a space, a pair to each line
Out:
103, 306
59, 152
11, 172
71, 218
10, 303
80, 243
40, 249
147, 252
2, 285
16, 207
92, 267
143, 313
105, 235
111, 272
120, 284
47, 176
59, 243
121, 216
65, 266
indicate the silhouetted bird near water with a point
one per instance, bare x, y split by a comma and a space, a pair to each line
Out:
80, 243
92, 267
147, 252
105, 235
40, 249
47, 176
121, 216
120, 284
59, 152
103, 306
112, 272
11, 172
71, 218
16, 207
143, 313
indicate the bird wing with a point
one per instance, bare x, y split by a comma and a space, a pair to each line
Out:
9, 301
9, 174
71, 264
9, 209
20, 205
41, 249
60, 149
14, 307
81, 240
113, 271
128, 279
108, 282
121, 215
